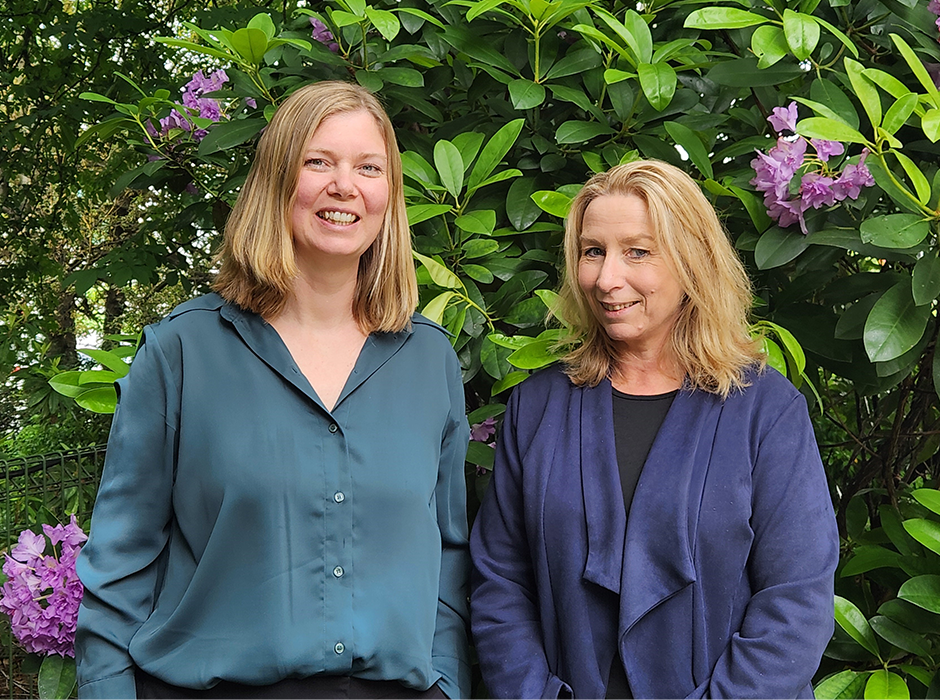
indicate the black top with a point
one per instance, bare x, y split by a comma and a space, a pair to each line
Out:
637, 420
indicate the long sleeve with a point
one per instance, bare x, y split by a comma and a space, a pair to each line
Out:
450, 651
119, 564
505, 619
789, 618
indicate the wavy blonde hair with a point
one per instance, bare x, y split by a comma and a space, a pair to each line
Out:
710, 341
257, 264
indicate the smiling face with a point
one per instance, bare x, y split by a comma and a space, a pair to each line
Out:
342, 189
629, 286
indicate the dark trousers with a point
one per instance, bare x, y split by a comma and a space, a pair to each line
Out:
314, 687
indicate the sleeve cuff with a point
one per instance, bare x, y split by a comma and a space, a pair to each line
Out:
123, 685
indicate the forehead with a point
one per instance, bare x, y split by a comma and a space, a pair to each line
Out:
357, 130
617, 216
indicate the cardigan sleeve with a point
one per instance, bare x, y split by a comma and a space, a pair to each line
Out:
795, 550
119, 566
505, 620
450, 651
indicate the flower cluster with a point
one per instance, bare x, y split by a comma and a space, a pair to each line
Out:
934, 6
482, 432
820, 185
205, 107
42, 592
323, 35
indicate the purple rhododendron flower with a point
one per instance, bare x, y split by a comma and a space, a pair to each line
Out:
826, 149
784, 118
853, 178
322, 34
481, 432
250, 101
42, 592
816, 191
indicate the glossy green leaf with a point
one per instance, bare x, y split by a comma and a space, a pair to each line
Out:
439, 273
829, 129
344, 19
755, 207
575, 131
868, 558
422, 212
417, 168
895, 230
777, 247
774, 355
191, 46
895, 324
575, 62
533, 355
494, 151
745, 73
386, 22
693, 145
864, 90
434, 310
414, 12
477, 48
769, 44
837, 33
899, 113
555, 203
927, 532
930, 123
406, 77
482, 222
922, 591
723, 18
56, 677
845, 684
917, 67
633, 31
925, 280
832, 95
67, 384
477, 273
801, 32
107, 359
98, 376
507, 382
525, 94
481, 454
250, 43
520, 208
479, 8
658, 81
478, 248
851, 619
449, 166
226, 135
98, 400
886, 685
916, 176
263, 21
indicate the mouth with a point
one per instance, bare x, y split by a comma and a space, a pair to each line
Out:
617, 307
341, 218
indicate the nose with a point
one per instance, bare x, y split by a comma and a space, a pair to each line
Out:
341, 184
610, 277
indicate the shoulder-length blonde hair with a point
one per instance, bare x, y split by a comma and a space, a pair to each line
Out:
258, 268
710, 340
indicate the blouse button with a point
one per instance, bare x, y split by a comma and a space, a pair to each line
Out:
333, 427
339, 647
339, 496
338, 571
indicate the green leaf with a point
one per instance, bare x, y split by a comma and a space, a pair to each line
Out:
723, 18
555, 203
886, 685
769, 44
56, 677
98, 376
449, 166
477, 48
95, 97
574, 63
927, 532
478, 273
481, 454
792, 345
417, 168
899, 636
925, 280
837, 33
633, 31
67, 384
533, 355
434, 310
899, 113
851, 619
922, 591
478, 8
494, 151
918, 179
482, 222
525, 94
422, 212
658, 81
575, 131
866, 92
828, 93
479, 247
107, 359
227, 135
844, 684
917, 67
744, 73
263, 21
829, 129
895, 230
869, 557
507, 382
98, 400
520, 208
250, 43
693, 145
895, 324
777, 247
406, 77
422, 14
344, 19
386, 22
801, 32
930, 124
774, 355
195, 48
440, 275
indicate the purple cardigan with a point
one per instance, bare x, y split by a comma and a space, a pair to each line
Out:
722, 586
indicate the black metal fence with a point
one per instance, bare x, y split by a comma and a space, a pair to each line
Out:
41, 489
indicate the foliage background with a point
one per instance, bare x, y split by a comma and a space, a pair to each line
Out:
502, 110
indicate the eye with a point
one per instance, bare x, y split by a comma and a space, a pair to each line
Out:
371, 169
592, 252
314, 163
637, 253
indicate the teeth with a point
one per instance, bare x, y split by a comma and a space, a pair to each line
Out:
617, 307
338, 217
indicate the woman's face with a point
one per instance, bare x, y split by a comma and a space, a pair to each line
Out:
631, 289
342, 189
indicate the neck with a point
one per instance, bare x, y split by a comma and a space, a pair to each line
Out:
645, 374
322, 298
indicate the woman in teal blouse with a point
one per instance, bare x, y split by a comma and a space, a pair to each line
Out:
282, 510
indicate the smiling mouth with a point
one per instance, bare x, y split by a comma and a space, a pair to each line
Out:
617, 307
338, 217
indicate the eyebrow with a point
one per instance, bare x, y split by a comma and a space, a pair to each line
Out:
359, 156
638, 239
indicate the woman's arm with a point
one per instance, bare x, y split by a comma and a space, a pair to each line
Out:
118, 565
789, 618
507, 629
450, 653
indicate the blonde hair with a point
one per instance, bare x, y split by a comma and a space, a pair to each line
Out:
710, 340
257, 258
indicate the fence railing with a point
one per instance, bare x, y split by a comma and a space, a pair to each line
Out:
41, 489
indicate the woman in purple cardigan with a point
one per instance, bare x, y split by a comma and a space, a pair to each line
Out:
658, 523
